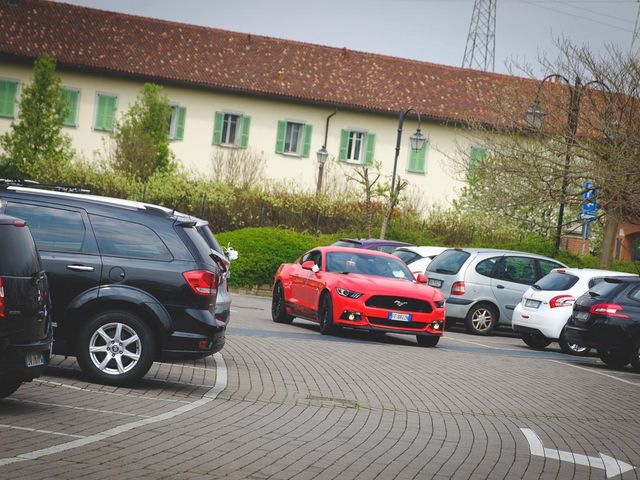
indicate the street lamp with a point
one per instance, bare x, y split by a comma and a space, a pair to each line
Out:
535, 116
417, 141
322, 155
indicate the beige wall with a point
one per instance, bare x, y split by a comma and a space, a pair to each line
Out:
437, 185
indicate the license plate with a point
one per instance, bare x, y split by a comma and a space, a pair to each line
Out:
531, 303
434, 283
581, 315
400, 317
34, 359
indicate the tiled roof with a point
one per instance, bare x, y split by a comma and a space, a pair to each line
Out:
163, 51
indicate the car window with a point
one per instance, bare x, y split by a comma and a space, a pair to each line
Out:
449, 262
53, 229
546, 266
557, 281
635, 294
406, 256
366, 264
127, 239
485, 267
606, 289
210, 238
386, 248
346, 243
18, 255
314, 255
594, 281
517, 270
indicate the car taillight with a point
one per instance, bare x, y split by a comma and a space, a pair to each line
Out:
562, 301
202, 282
1, 299
608, 310
457, 288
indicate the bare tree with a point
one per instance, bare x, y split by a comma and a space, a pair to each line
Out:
240, 168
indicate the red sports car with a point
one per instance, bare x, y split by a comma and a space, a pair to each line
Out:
360, 289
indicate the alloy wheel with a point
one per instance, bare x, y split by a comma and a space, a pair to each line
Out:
115, 348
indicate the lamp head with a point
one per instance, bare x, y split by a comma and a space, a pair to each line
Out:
322, 155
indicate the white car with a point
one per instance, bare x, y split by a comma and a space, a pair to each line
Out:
546, 306
417, 258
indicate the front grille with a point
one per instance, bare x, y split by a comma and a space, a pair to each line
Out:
383, 322
399, 304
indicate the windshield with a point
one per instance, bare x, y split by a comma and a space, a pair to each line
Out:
366, 264
346, 243
556, 281
449, 262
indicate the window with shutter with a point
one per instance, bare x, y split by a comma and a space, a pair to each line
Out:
476, 158
176, 122
357, 146
293, 138
71, 97
105, 112
417, 159
8, 93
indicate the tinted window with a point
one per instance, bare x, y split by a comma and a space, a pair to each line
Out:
127, 239
517, 270
557, 281
18, 256
635, 294
346, 243
546, 266
315, 256
606, 289
406, 256
385, 248
210, 238
449, 262
202, 247
52, 228
342, 262
594, 281
485, 267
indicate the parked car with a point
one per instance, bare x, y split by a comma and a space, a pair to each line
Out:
359, 289
417, 258
130, 283
386, 246
483, 286
607, 317
25, 328
545, 307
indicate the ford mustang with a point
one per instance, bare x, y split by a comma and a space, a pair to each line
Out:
358, 289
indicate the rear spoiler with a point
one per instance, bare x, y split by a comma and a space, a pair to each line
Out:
185, 222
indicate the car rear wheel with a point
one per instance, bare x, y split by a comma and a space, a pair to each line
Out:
635, 356
278, 311
116, 347
572, 348
427, 340
481, 319
536, 341
9, 383
613, 358
327, 327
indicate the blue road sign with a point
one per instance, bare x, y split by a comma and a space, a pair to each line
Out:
587, 216
589, 207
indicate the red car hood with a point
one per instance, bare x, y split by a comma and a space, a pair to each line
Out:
376, 285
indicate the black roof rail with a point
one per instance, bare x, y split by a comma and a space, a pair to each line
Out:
16, 182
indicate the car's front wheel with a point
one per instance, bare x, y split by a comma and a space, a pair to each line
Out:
278, 311
481, 319
427, 340
116, 347
9, 383
536, 341
325, 316
613, 358
572, 348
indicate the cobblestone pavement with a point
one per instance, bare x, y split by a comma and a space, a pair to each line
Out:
283, 401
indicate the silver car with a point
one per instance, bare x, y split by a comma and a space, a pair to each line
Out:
483, 286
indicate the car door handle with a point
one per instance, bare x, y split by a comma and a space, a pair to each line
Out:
500, 286
80, 268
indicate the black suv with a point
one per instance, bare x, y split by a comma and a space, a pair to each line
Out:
608, 317
130, 283
25, 330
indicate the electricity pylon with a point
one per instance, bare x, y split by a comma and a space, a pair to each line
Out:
635, 41
480, 51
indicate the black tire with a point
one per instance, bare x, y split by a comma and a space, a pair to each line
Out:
572, 348
325, 315
427, 340
481, 319
537, 341
9, 383
124, 358
278, 311
635, 356
615, 359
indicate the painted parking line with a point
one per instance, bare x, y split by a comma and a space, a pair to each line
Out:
455, 339
71, 407
36, 430
221, 384
629, 382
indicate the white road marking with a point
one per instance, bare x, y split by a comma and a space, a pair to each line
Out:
221, 384
629, 382
26, 429
611, 466
481, 344
86, 409
212, 370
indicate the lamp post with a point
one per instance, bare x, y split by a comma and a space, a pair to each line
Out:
535, 117
322, 155
417, 141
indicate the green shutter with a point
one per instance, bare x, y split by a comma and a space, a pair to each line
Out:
344, 142
8, 92
306, 146
217, 128
71, 99
371, 147
476, 158
106, 112
416, 159
282, 129
181, 113
244, 135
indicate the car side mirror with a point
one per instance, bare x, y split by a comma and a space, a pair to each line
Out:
421, 278
309, 264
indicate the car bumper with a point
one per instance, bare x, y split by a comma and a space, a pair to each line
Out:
458, 308
548, 322
205, 336
19, 358
600, 335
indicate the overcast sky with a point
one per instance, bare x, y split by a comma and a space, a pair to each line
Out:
429, 30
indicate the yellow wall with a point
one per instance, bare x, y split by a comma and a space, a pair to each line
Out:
437, 185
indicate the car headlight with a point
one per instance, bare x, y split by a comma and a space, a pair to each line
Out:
343, 292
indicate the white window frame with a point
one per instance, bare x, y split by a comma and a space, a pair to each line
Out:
95, 110
363, 147
238, 130
300, 140
75, 120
